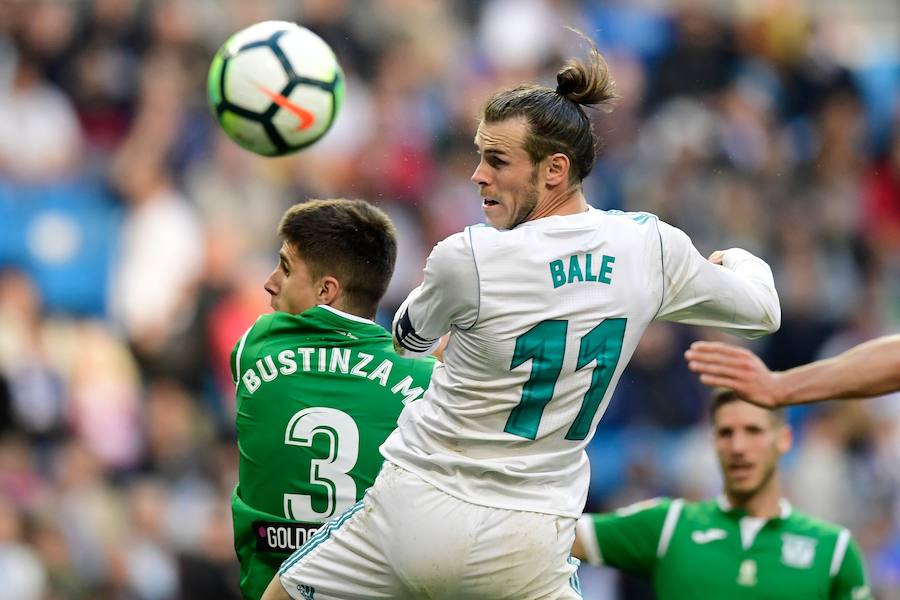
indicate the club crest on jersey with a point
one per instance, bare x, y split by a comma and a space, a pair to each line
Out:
798, 551
747, 573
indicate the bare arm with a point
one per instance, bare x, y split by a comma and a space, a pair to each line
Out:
578, 550
438, 352
869, 369
275, 591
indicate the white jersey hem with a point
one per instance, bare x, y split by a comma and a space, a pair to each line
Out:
478, 502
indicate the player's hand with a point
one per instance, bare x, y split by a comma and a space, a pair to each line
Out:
717, 257
736, 368
439, 351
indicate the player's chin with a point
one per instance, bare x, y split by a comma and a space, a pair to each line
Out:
744, 485
495, 215
497, 221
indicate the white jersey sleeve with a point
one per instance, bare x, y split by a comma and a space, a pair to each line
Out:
447, 297
738, 296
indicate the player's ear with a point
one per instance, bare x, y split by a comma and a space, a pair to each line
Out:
328, 289
785, 438
556, 169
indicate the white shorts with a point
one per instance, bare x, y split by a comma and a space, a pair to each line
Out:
408, 539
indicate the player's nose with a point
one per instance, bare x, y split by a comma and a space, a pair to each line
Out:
479, 176
738, 445
271, 285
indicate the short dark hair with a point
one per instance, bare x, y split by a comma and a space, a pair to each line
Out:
557, 122
351, 240
722, 396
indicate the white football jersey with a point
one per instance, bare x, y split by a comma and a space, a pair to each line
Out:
543, 319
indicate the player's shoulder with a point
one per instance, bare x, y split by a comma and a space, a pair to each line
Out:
262, 322
266, 323
802, 523
274, 324
641, 228
660, 504
630, 219
701, 511
458, 245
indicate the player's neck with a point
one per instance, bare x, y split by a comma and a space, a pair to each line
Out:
569, 201
765, 503
340, 304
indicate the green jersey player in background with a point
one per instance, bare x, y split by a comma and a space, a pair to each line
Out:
318, 384
748, 543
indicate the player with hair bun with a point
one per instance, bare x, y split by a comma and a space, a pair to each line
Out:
485, 477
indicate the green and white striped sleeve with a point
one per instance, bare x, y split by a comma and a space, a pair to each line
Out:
631, 538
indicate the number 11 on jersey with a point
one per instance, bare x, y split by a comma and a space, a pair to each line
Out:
545, 346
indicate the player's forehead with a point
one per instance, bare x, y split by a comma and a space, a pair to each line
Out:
505, 137
740, 414
288, 253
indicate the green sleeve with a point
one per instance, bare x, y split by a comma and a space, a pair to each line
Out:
628, 538
237, 350
233, 365
850, 581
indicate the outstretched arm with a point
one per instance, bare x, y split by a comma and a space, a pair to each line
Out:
869, 369
579, 549
732, 291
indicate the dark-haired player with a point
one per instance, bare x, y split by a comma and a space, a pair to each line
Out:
319, 386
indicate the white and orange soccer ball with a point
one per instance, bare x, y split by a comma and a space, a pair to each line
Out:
275, 87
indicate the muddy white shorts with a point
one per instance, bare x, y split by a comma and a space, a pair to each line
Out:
408, 539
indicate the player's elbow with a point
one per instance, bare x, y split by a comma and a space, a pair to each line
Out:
772, 320
769, 324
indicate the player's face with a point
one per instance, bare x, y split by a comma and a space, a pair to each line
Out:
291, 286
507, 178
749, 442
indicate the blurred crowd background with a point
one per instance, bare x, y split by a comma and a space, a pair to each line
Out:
135, 239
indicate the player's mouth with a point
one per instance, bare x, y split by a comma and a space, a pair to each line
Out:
489, 202
740, 470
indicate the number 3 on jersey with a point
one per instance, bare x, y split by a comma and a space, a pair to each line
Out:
329, 472
545, 346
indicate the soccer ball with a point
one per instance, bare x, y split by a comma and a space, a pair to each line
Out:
275, 87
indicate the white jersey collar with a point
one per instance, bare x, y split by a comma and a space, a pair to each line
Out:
346, 315
783, 504
558, 219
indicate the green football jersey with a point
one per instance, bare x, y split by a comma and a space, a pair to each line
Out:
708, 551
317, 394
